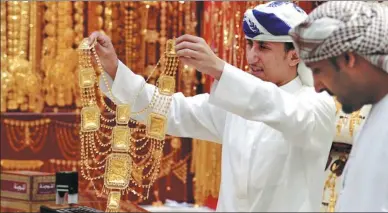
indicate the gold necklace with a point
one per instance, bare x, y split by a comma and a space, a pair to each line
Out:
123, 157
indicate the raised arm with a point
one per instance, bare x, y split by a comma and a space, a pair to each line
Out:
256, 100
190, 117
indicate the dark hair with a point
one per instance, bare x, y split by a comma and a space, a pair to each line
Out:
333, 61
288, 46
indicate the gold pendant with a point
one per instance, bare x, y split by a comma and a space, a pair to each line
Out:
120, 139
114, 200
117, 171
166, 85
123, 113
170, 48
156, 127
90, 119
87, 77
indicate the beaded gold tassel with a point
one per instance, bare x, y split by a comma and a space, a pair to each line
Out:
122, 162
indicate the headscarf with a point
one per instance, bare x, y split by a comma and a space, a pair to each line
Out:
271, 22
334, 28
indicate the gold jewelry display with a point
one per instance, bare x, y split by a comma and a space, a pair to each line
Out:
59, 59
180, 171
108, 20
331, 182
34, 137
34, 165
49, 50
355, 119
132, 39
63, 165
350, 122
6, 77
67, 135
207, 178
20, 82
125, 159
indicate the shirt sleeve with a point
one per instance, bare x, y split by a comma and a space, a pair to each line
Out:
191, 117
251, 98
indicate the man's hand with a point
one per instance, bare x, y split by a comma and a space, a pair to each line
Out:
194, 52
106, 53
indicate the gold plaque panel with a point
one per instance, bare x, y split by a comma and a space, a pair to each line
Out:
114, 200
156, 127
117, 171
170, 48
90, 119
123, 113
87, 77
84, 45
120, 139
166, 85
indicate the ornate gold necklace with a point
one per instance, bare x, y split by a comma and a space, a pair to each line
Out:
123, 155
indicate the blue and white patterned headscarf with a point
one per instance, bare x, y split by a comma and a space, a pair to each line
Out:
271, 22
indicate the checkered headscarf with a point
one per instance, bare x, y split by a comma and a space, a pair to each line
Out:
337, 27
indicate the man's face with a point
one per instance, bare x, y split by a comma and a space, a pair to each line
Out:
340, 80
268, 60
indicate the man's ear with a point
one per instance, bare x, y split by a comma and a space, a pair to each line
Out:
293, 58
350, 59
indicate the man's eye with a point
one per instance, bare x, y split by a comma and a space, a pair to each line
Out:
316, 71
263, 47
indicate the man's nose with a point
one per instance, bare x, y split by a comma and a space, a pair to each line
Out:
253, 55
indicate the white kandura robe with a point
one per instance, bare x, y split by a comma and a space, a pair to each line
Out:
365, 183
273, 165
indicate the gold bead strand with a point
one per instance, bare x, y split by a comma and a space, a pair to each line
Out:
13, 17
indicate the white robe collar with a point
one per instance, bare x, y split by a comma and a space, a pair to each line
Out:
292, 86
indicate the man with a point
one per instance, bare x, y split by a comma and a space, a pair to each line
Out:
346, 46
275, 163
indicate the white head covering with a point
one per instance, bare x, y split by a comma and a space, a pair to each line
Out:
271, 22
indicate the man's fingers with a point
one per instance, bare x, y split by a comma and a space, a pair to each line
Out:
93, 37
189, 38
99, 48
187, 61
187, 53
188, 45
101, 38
